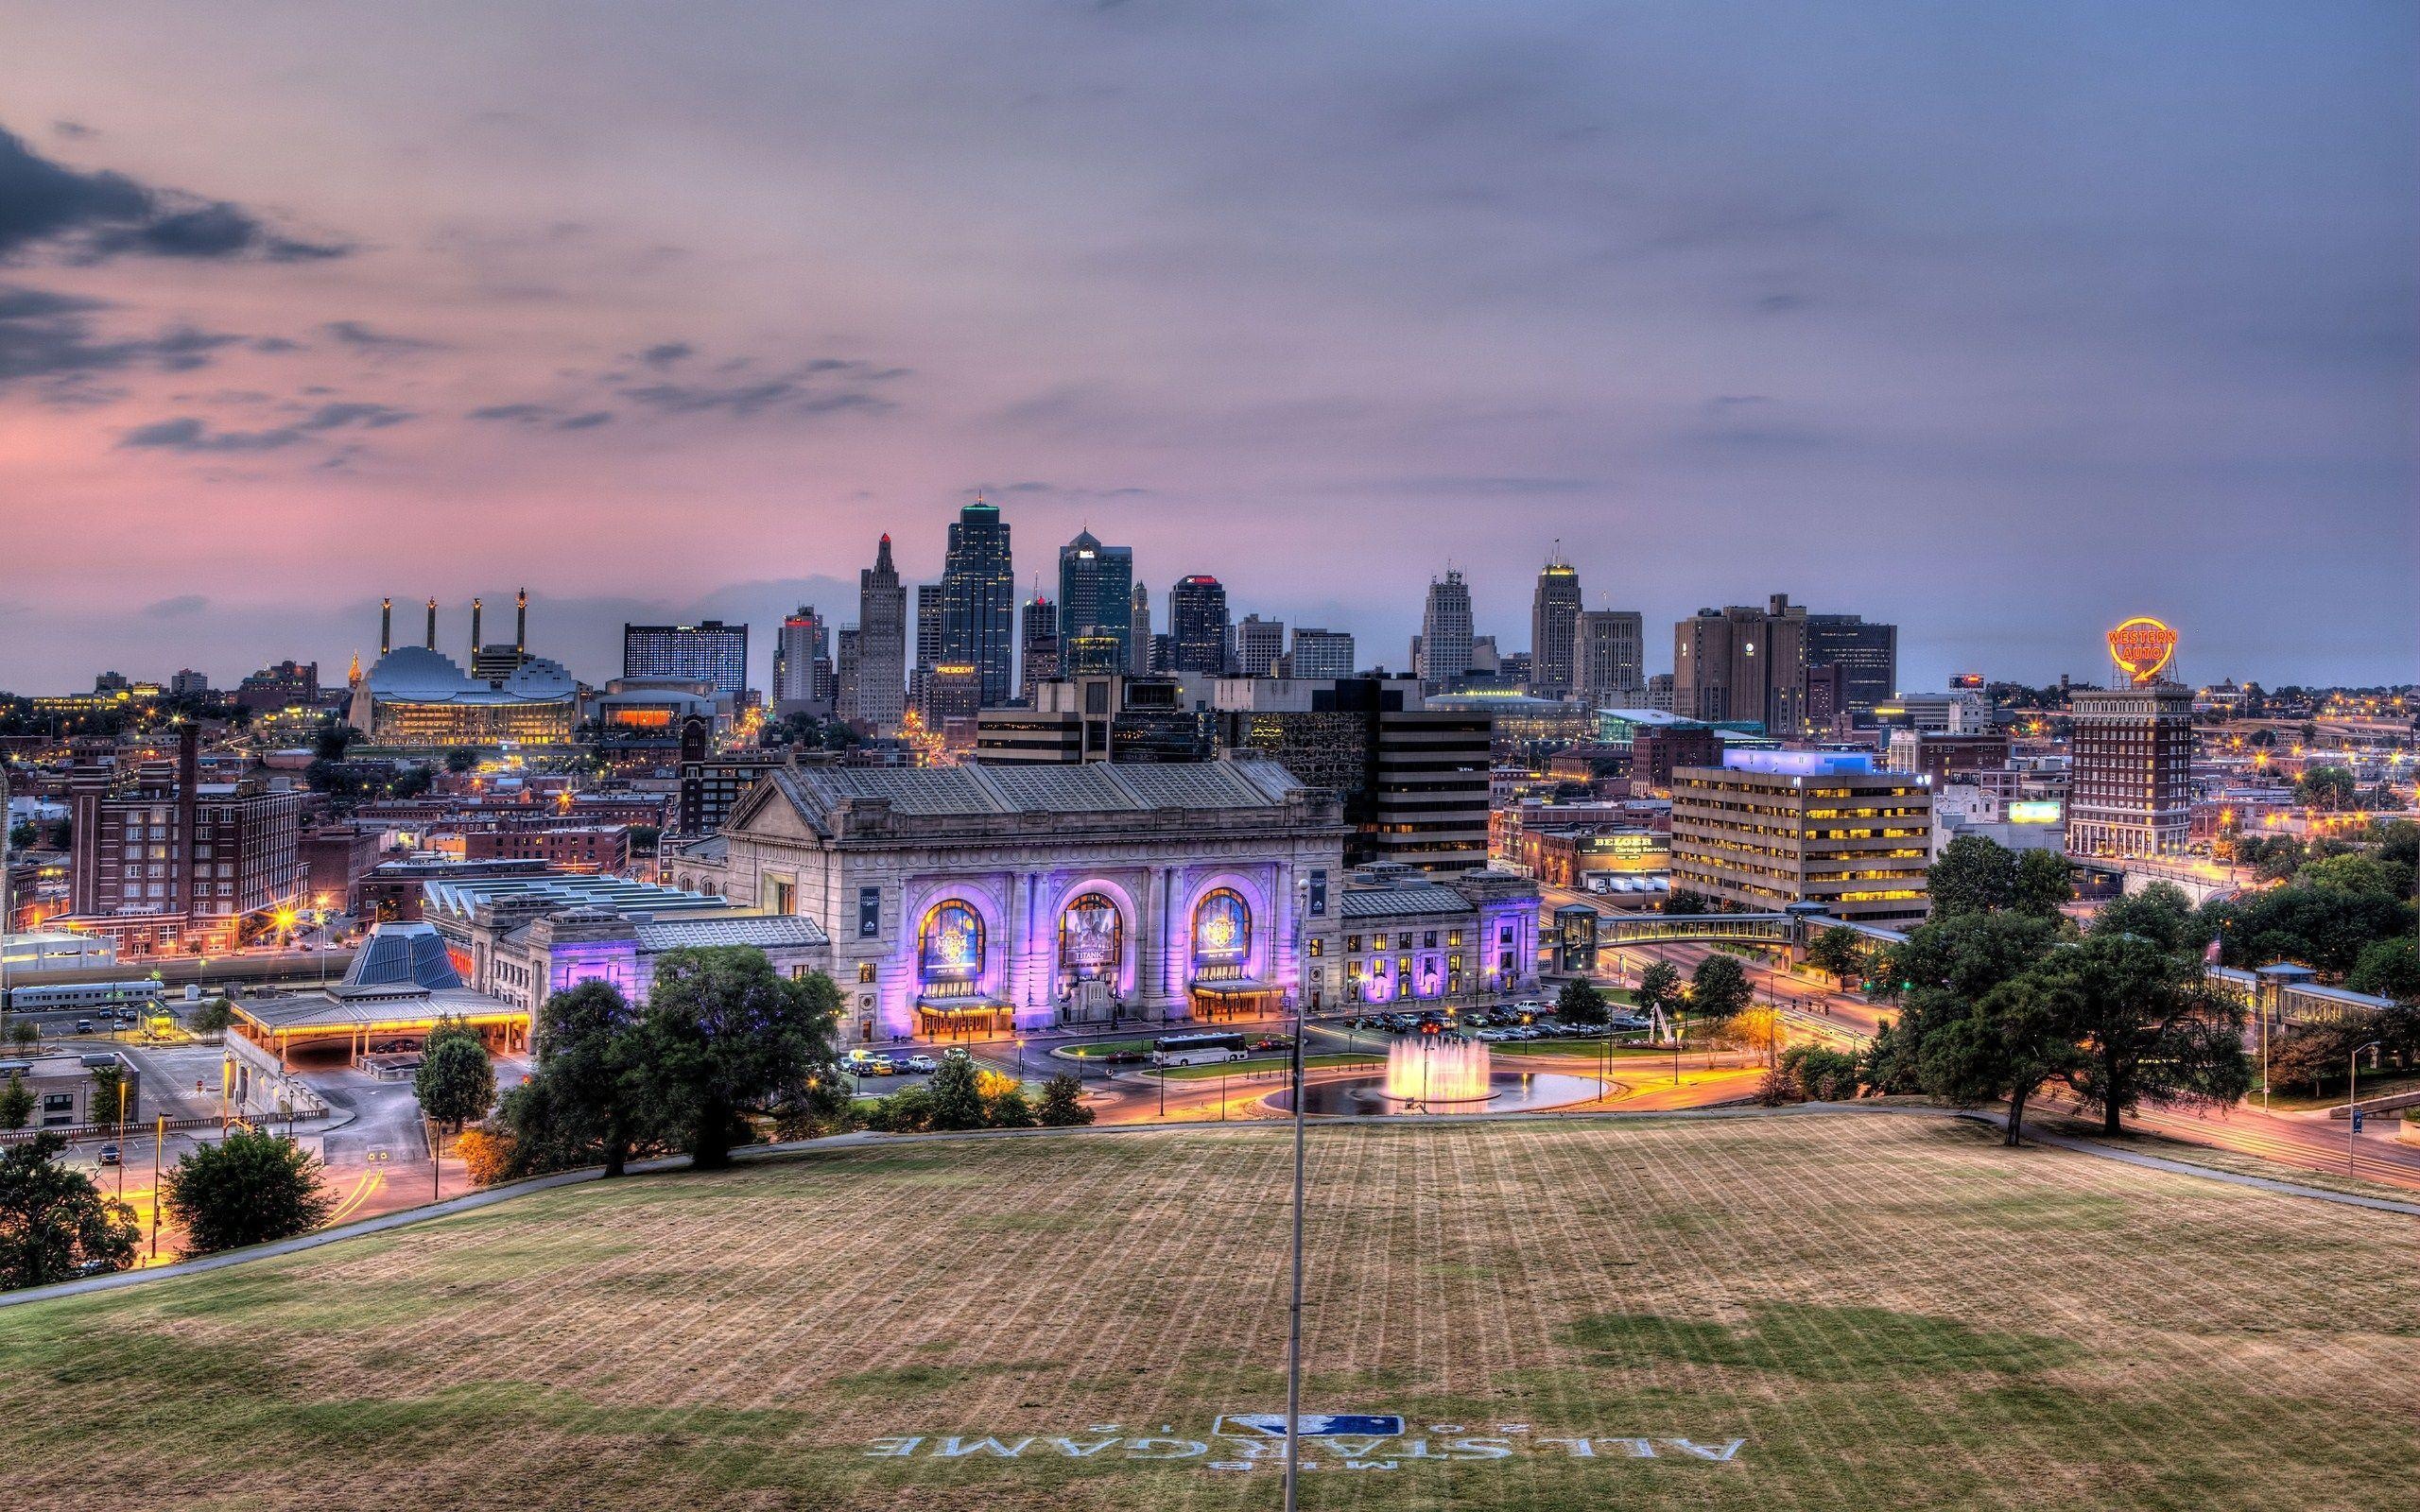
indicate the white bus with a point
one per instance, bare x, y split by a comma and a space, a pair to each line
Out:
1198, 1049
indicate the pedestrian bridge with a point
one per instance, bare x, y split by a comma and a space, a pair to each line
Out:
1787, 930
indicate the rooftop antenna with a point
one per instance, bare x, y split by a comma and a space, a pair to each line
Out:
432, 624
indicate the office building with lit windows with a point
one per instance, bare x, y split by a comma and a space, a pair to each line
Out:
1770, 828
2132, 751
708, 651
980, 601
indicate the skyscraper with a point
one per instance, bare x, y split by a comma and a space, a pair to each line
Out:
1867, 655
1608, 653
1039, 644
1138, 638
929, 626
1445, 633
2132, 790
979, 600
708, 651
801, 664
1743, 663
1259, 644
1097, 590
1554, 630
881, 681
1198, 625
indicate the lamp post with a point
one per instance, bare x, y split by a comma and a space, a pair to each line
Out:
121, 1137
1294, 1315
2353, 1099
159, 1143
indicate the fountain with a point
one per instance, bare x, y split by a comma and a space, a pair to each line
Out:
1434, 1068
1439, 1074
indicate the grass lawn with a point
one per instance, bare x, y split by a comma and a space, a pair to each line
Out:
1588, 1049
1832, 1311
1263, 1064
1106, 1047
2297, 1097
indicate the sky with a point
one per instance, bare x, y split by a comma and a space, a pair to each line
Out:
2003, 322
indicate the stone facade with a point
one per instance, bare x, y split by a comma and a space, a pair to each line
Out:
986, 901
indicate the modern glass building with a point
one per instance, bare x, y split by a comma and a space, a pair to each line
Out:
1097, 590
979, 600
1867, 655
1198, 625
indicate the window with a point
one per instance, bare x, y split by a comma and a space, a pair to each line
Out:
1377, 943
1319, 948
1352, 942
865, 971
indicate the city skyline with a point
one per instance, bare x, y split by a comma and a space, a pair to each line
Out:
2096, 321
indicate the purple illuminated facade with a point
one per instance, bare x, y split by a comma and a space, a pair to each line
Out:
983, 900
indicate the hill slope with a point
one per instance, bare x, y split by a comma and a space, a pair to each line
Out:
1830, 1312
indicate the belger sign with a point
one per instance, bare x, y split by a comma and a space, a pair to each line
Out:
1345, 1441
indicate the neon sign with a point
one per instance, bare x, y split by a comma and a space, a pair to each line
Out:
2142, 647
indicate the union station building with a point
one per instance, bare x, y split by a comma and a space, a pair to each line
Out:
984, 899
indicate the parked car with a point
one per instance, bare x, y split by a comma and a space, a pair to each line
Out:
83, 1026
877, 1066
110, 1155
957, 1053
1268, 1042
923, 1063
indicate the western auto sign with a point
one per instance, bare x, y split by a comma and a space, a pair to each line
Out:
1247, 1441
2141, 648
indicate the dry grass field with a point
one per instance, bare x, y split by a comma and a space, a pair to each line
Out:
1832, 1311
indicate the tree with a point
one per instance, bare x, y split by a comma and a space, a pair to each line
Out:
1819, 1074
2161, 914
1658, 992
109, 1085
1681, 901
1756, 1030
958, 1096
2325, 787
1975, 875
2147, 1023
1942, 970
1579, 1003
2043, 885
2347, 873
461, 759
823, 1106
333, 738
2325, 928
2388, 969
456, 1082
1719, 989
1062, 1105
1839, 950
579, 1105
723, 1035
54, 1222
252, 1187
16, 1103
214, 1015
488, 1156
2015, 1040
1008, 1109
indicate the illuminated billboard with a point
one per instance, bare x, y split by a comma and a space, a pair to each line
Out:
2034, 811
1966, 682
2142, 647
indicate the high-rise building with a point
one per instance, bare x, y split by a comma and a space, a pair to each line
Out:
708, 651
1771, 828
1743, 663
1554, 630
191, 684
848, 672
1867, 655
979, 600
1138, 634
1609, 648
880, 685
1444, 656
1039, 644
802, 664
1198, 625
1320, 653
929, 626
2132, 797
1259, 645
1097, 590
1097, 655
281, 686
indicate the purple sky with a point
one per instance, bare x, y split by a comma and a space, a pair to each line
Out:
2002, 322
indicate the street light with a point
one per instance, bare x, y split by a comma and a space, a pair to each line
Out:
2353, 1099
159, 1143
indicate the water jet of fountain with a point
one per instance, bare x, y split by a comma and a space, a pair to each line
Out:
1438, 1070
